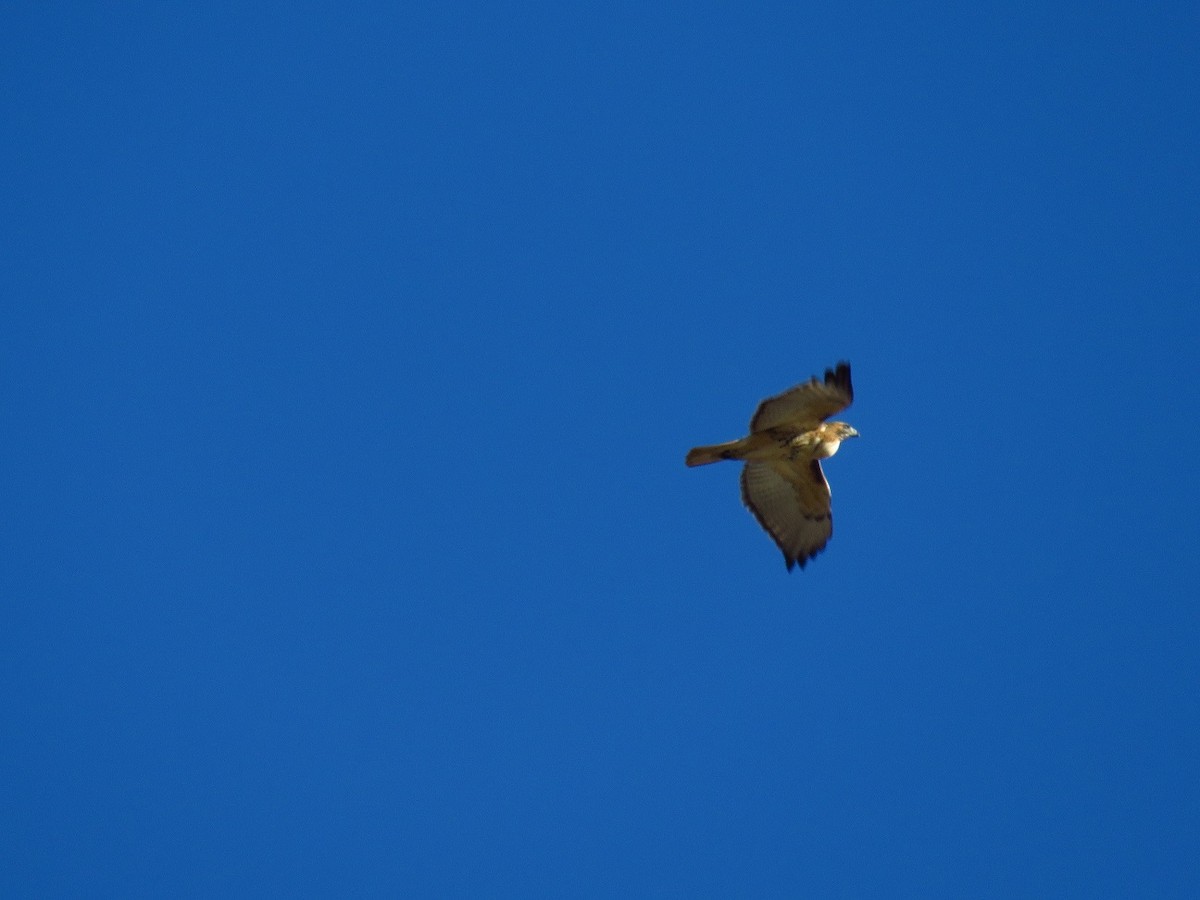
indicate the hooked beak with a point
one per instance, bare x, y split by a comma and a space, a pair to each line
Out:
852, 433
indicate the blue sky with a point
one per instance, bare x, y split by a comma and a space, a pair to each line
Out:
349, 359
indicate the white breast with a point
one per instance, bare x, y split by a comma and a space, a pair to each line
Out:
826, 449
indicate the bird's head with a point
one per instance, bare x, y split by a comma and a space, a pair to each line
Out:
830, 436
840, 431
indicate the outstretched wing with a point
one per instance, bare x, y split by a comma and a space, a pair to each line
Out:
807, 405
792, 504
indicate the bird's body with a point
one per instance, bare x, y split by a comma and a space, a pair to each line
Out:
774, 445
782, 482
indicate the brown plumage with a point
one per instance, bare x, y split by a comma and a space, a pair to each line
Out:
782, 482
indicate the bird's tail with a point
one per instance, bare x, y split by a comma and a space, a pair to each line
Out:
702, 456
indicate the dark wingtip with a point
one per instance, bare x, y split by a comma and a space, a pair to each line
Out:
794, 561
839, 377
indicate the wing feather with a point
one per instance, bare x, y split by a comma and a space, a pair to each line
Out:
807, 405
792, 504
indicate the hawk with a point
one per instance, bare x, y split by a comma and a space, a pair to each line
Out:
782, 482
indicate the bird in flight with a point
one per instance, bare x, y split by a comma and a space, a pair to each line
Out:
782, 482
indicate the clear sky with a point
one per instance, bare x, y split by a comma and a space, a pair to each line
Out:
350, 353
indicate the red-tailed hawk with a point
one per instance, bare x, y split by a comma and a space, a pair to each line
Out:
782, 481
